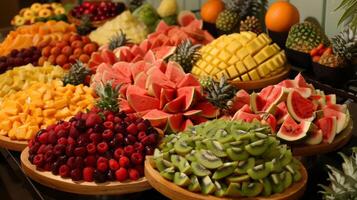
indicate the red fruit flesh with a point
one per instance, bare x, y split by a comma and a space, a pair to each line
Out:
121, 174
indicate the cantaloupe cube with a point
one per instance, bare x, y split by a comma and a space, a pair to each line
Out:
60, 103
5, 125
21, 132
49, 112
63, 113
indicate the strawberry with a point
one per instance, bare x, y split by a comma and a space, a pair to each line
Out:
132, 129
136, 158
102, 147
91, 148
128, 150
102, 166
118, 153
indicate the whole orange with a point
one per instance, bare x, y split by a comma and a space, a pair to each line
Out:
281, 15
210, 10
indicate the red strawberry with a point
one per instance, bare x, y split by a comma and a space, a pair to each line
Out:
121, 174
134, 174
88, 174
118, 152
113, 164
124, 161
102, 159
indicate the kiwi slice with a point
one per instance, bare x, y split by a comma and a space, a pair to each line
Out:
207, 185
216, 148
240, 135
238, 179
221, 189
194, 186
236, 153
276, 165
223, 136
168, 173
157, 154
182, 147
238, 144
297, 176
233, 190
200, 145
199, 170
267, 187
277, 184
285, 158
191, 156
225, 170
162, 164
251, 189
257, 148
260, 171
244, 165
258, 136
181, 163
181, 179
287, 179
208, 159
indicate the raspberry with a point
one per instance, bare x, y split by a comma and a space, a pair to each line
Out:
140, 169
102, 159
113, 164
95, 138
117, 120
141, 135
102, 147
108, 134
124, 161
80, 151
59, 149
51, 127
52, 138
142, 126
47, 167
76, 174
88, 174
90, 161
121, 174
70, 162
134, 174
149, 150
119, 137
93, 119
118, 152
111, 175
38, 160
70, 140
62, 133
136, 158
102, 166
152, 139
132, 129
139, 147
78, 162
73, 132
91, 148
62, 141
131, 138
64, 171
108, 125
43, 138
41, 149
110, 117
69, 149
66, 125
128, 150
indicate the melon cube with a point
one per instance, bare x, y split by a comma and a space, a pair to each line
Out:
21, 132
5, 125
254, 75
264, 54
245, 77
243, 39
263, 70
232, 71
249, 62
240, 67
255, 45
265, 37
60, 103
49, 112
215, 62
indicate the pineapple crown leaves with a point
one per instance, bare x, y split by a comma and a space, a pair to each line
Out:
343, 182
108, 96
220, 93
77, 74
85, 26
246, 7
186, 55
345, 44
118, 40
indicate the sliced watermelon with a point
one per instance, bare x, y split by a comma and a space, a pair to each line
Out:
176, 105
257, 103
292, 131
190, 96
192, 113
142, 102
315, 137
174, 72
140, 80
337, 107
164, 52
186, 124
300, 108
342, 118
157, 118
330, 99
188, 80
277, 95
247, 117
124, 106
328, 126
132, 89
174, 123
246, 109
208, 110
185, 17
240, 99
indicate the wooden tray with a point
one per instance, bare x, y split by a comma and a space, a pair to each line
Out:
77, 22
173, 191
340, 140
14, 145
258, 84
80, 187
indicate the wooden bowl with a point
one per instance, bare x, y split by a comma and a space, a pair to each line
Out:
340, 140
298, 59
259, 84
333, 76
80, 187
175, 192
14, 145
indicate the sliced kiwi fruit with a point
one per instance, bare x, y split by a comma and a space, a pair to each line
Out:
162, 164
207, 185
257, 148
277, 183
285, 158
225, 170
216, 148
191, 156
276, 165
182, 147
251, 189
295, 171
240, 135
258, 136
221, 189
260, 171
181, 179
208, 159
236, 153
234, 190
194, 186
168, 173
287, 179
200, 145
238, 144
182, 164
244, 165
238, 179
223, 136
297, 176
199, 170
157, 154
267, 187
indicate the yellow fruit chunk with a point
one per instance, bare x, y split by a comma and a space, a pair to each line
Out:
242, 53
265, 53
240, 67
249, 62
232, 71
263, 71
254, 75
245, 77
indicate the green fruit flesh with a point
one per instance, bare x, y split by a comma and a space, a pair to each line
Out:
236, 153
181, 179
207, 185
225, 170
243, 166
208, 159
252, 189
168, 173
162, 164
267, 190
257, 148
199, 170
194, 185
216, 148
260, 171
182, 148
221, 189
233, 190
238, 179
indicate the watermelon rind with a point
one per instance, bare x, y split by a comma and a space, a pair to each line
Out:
328, 134
289, 125
314, 138
292, 111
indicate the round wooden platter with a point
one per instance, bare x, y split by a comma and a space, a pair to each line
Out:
340, 140
258, 84
175, 192
80, 187
14, 145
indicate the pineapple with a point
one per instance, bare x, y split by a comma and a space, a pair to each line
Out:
77, 74
85, 26
241, 56
251, 23
219, 93
108, 97
118, 40
186, 55
228, 20
343, 184
134, 4
249, 7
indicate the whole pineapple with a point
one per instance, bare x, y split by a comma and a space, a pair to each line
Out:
118, 40
249, 7
251, 23
85, 26
77, 74
108, 97
343, 183
303, 37
228, 20
186, 55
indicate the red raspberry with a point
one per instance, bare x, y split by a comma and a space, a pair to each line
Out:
80, 151
90, 161
136, 158
102, 159
152, 139
66, 125
95, 138
118, 152
102, 166
51, 127
38, 160
64, 171
108, 134
134, 174
113, 164
52, 138
88, 174
76, 174
41, 149
110, 117
62, 141
141, 135
142, 126
71, 162
117, 120
132, 129
124, 161
102, 147
93, 119
128, 150
47, 167
70, 140
73, 132
121, 174
139, 147
119, 137
108, 125
61, 133
43, 138
91, 148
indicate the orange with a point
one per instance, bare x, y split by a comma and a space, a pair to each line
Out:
211, 9
281, 15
